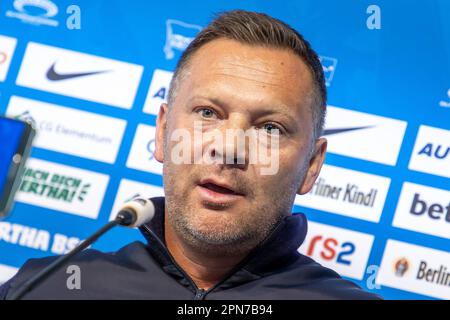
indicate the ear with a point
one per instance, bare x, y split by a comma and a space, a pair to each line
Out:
161, 124
315, 164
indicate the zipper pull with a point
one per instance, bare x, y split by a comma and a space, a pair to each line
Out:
200, 294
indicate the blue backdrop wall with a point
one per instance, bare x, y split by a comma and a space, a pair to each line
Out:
386, 225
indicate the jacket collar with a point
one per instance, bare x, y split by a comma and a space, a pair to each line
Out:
278, 250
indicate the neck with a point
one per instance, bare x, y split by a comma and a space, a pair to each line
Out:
204, 269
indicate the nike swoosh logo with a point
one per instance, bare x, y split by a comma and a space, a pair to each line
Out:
328, 132
52, 75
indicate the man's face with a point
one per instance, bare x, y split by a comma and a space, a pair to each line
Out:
233, 86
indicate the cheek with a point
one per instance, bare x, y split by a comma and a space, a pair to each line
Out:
293, 164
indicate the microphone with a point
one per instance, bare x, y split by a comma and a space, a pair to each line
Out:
133, 214
136, 212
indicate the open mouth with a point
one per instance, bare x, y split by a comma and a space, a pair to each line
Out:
217, 194
218, 189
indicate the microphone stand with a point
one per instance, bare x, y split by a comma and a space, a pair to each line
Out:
124, 217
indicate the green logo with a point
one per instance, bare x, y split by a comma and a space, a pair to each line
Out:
53, 185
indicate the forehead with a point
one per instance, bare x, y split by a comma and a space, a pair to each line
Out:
230, 68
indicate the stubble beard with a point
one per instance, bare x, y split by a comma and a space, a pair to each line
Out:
228, 236
220, 233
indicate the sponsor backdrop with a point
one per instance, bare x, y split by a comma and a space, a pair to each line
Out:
91, 75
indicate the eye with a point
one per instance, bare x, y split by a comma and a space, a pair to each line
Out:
206, 112
271, 128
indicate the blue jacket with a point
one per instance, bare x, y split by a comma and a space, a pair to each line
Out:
273, 270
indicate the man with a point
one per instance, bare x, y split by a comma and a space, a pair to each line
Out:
225, 228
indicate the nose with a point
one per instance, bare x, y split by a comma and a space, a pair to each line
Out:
231, 154
233, 151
